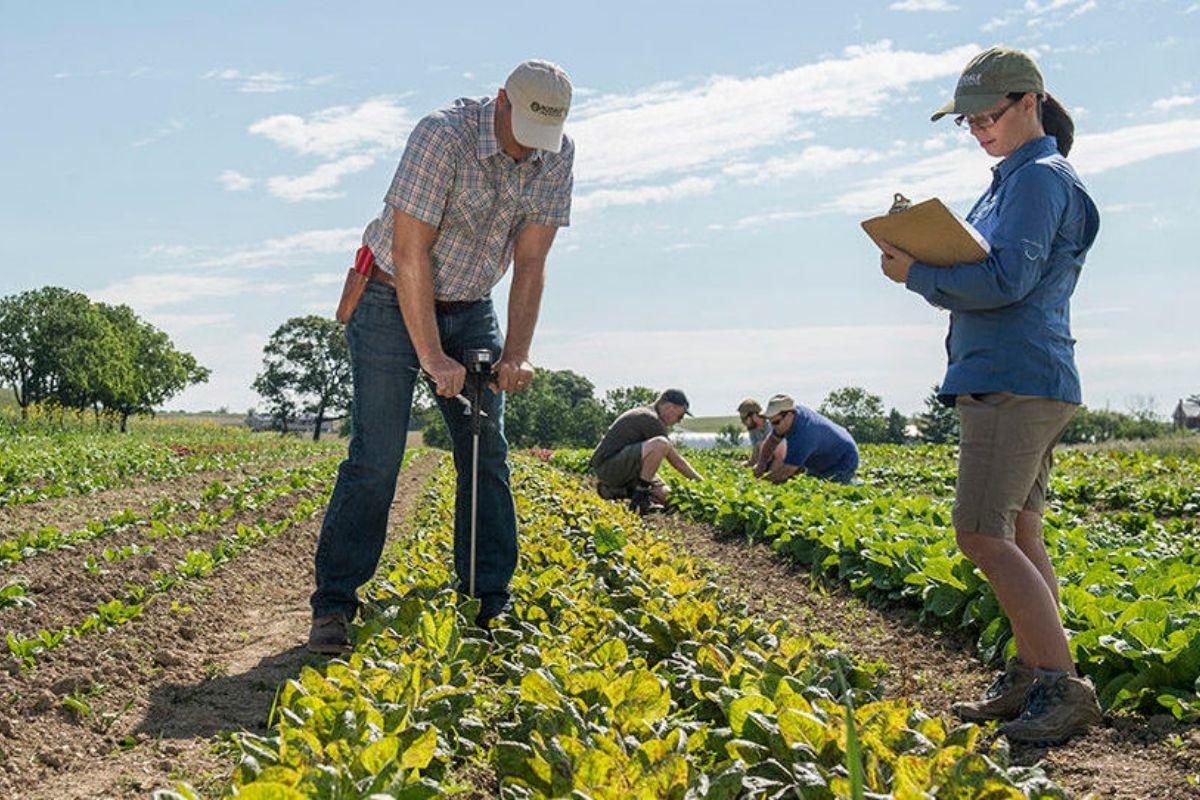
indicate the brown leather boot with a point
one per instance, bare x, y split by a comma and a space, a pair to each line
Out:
1058, 707
1003, 700
329, 635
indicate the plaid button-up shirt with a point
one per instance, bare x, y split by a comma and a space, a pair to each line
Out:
454, 175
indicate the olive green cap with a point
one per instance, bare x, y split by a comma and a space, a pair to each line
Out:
989, 77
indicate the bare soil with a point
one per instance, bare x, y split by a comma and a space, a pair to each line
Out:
1130, 756
64, 592
202, 661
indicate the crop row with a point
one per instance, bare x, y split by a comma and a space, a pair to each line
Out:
247, 494
36, 467
1133, 610
1101, 480
625, 672
193, 565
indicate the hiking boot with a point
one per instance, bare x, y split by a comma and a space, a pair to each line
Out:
1003, 700
491, 615
639, 497
329, 635
1057, 707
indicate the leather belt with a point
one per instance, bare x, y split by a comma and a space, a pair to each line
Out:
381, 276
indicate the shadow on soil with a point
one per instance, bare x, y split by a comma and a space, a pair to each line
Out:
223, 703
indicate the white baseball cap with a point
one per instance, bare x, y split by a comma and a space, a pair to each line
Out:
540, 93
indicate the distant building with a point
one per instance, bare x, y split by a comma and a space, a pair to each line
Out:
301, 423
1187, 415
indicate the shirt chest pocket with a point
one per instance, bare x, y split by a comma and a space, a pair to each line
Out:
472, 204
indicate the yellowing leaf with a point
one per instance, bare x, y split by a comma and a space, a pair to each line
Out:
739, 708
376, 756
421, 752
268, 791
639, 698
536, 687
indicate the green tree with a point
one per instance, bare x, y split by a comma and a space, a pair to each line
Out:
897, 428
859, 412
156, 370
56, 346
558, 409
306, 366
618, 401
939, 423
729, 436
1102, 425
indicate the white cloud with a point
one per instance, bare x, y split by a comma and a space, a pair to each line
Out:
1099, 152
759, 220
305, 248
1175, 101
349, 138
922, 5
813, 160
1054, 13
640, 195
187, 322
172, 251
264, 82
161, 289
233, 181
161, 132
962, 173
318, 184
670, 128
376, 124
326, 279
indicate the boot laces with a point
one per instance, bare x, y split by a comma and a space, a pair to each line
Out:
997, 687
1041, 697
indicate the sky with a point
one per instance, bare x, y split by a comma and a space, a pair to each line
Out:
213, 165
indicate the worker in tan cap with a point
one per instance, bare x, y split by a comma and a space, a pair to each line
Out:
803, 441
484, 183
757, 427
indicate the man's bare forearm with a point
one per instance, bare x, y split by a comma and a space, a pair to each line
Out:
414, 293
524, 302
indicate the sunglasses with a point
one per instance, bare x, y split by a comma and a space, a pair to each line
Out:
985, 120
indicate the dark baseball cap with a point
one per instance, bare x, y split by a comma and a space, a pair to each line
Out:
674, 396
989, 78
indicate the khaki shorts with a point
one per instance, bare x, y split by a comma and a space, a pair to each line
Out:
1005, 452
617, 475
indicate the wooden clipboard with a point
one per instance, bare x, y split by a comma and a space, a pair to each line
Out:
930, 233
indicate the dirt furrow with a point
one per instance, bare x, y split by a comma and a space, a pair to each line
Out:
64, 592
203, 660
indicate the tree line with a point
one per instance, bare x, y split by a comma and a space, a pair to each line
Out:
306, 369
60, 349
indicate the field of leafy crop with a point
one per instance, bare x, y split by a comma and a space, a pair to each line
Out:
1123, 532
626, 672
37, 466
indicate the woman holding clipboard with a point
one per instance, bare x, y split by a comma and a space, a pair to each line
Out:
1012, 377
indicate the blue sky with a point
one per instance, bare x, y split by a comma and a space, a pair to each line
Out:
213, 166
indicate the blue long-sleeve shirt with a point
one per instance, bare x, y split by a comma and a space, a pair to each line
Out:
1010, 315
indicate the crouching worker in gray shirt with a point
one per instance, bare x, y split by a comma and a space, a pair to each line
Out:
635, 445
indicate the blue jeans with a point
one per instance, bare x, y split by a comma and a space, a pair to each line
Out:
385, 370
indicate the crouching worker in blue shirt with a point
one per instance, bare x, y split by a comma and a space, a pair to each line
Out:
801, 440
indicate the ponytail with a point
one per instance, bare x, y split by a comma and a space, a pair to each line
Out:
1055, 120
1057, 123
